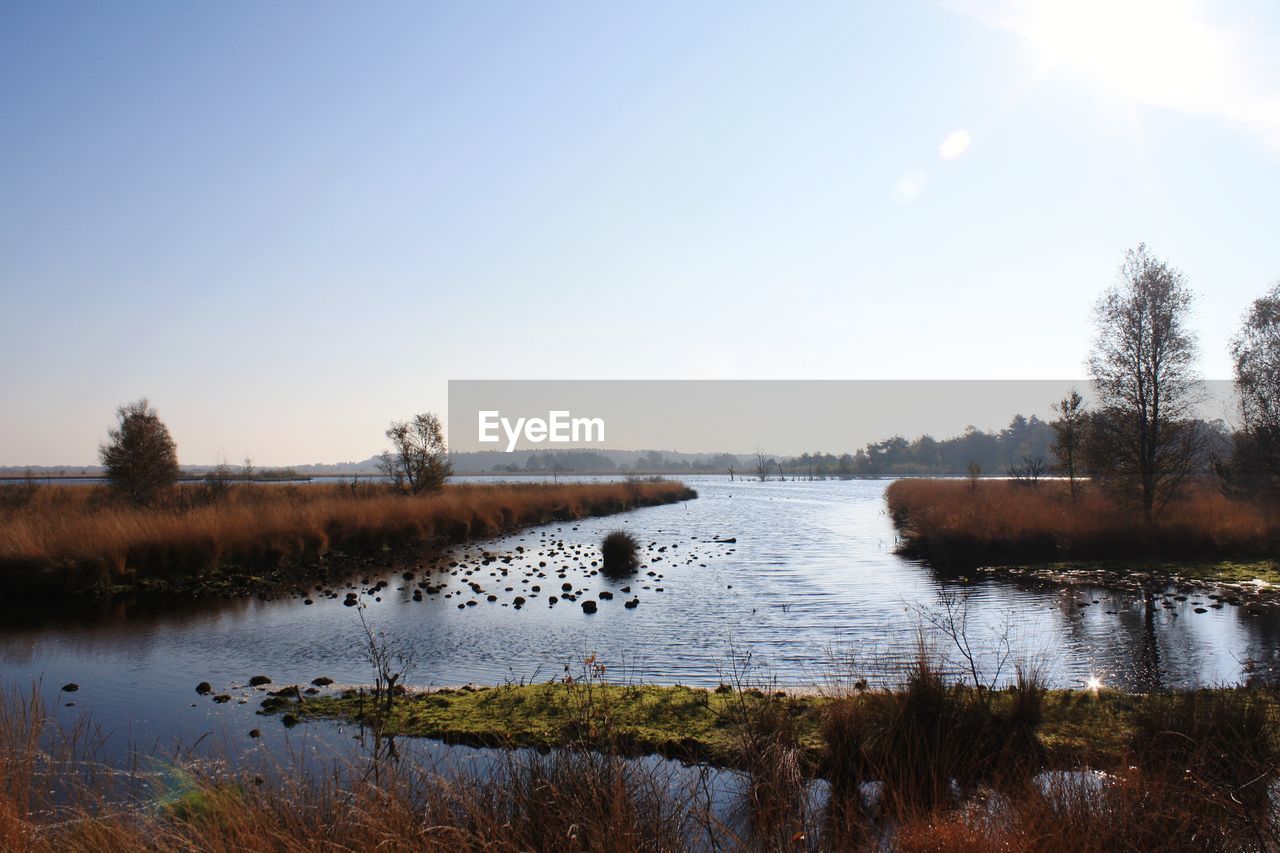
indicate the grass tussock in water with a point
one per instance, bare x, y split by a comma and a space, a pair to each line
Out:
76, 538
620, 552
959, 522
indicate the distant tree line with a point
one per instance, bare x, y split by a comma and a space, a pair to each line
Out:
925, 456
591, 462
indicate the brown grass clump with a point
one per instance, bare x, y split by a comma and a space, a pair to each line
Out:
933, 740
1131, 811
962, 523
74, 538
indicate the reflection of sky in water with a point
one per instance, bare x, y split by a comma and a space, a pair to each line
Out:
811, 576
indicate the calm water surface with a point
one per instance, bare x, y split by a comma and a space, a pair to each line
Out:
812, 577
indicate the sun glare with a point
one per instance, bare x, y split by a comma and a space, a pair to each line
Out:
1149, 50
956, 143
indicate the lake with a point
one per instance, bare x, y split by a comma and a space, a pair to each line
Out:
810, 579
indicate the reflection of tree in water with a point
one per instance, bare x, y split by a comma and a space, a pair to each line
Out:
1136, 642
1124, 646
1262, 628
1148, 658
98, 625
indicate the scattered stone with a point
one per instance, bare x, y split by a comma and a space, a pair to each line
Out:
588, 606
204, 688
70, 687
259, 680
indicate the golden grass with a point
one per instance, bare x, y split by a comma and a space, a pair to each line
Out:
1004, 521
74, 537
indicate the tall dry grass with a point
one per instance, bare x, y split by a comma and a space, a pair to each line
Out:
994, 521
74, 537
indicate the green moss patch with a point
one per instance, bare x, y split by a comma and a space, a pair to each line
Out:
1080, 728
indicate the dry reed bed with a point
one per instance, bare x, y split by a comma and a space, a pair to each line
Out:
73, 537
958, 522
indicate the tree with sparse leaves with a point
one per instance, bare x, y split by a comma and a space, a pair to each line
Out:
1143, 368
1068, 436
418, 461
1254, 470
140, 455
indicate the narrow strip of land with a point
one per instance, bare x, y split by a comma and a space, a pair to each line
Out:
1074, 728
254, 537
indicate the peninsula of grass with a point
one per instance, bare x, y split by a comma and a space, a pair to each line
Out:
1204, 535
76, 539
1069, 729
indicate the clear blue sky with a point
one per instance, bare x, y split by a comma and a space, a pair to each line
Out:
289, 223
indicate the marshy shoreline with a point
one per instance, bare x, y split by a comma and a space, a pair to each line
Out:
931, 764
72, 540
959, 526
1089, 728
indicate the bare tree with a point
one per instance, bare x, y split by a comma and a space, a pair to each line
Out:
951, 617
1068, 436
391, 666
419, 459
1029, 471
140, 455
216, 486
1142, 365
762, 465
1255, 354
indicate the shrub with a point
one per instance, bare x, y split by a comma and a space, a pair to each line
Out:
140, 456
621, 553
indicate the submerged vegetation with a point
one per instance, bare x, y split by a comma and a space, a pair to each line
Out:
78, 538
